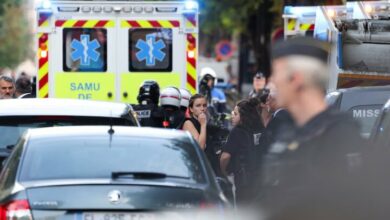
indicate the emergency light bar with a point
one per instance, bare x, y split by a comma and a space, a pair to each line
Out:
191, 5
45, 4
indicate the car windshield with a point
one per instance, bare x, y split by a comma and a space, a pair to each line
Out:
11, 128
97, 157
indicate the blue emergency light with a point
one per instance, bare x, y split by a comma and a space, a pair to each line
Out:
44, 4
191, 5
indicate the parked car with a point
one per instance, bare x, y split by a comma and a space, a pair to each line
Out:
362, 103
98, 172
17, 115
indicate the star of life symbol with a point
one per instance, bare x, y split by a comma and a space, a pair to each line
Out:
150, 50
85, 50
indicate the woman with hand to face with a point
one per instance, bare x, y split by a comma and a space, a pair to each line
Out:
197, 123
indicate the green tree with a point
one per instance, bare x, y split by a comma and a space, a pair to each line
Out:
253, 20
15, 33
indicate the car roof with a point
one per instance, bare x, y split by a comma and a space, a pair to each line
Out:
62, 107
363, 96
364, 89
100, 131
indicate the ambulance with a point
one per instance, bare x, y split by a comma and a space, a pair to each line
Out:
104, 50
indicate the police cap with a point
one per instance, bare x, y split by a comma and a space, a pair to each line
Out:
304, 46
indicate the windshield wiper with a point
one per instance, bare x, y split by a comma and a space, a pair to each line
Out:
10, 147
144, 175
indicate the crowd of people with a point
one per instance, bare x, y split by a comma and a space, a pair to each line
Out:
288, 153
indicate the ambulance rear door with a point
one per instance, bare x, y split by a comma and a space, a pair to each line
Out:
157, 41
82, 54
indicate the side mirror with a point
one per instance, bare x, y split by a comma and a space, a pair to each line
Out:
227, 188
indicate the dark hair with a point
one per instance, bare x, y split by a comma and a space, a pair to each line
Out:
23, 85
193, 98
7, 79
258, 75
249, 115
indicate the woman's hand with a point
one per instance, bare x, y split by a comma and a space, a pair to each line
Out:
202, 119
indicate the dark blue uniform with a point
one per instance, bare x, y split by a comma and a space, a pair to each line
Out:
149, 115
315, 175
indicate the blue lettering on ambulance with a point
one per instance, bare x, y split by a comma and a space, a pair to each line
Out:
85, 86
72, 86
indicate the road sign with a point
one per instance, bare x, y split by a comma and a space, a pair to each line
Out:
224, 50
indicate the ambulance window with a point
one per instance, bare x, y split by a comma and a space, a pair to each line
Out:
150, 50
85, 49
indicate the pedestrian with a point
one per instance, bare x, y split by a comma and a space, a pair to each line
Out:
197, 125
240, 153
312, 175
7, 87
258, 83
198, 121
23, 87
280, 125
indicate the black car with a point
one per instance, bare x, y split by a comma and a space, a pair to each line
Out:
362, 103
17, 115
381, 129
100, 173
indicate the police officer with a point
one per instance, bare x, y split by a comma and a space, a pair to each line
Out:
148, 112
312, 175
185, 100
170, 99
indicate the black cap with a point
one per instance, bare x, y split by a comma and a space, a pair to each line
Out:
305, 46
258, 75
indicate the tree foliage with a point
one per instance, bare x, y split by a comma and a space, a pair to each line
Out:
15, 33
232, 16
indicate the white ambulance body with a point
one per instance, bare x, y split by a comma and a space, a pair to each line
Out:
360, 39
104, 50
299, 21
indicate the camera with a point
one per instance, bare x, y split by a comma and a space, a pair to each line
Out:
263, 95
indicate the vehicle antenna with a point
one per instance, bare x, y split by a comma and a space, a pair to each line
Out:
111, 130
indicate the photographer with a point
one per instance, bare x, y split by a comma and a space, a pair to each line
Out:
215, 97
